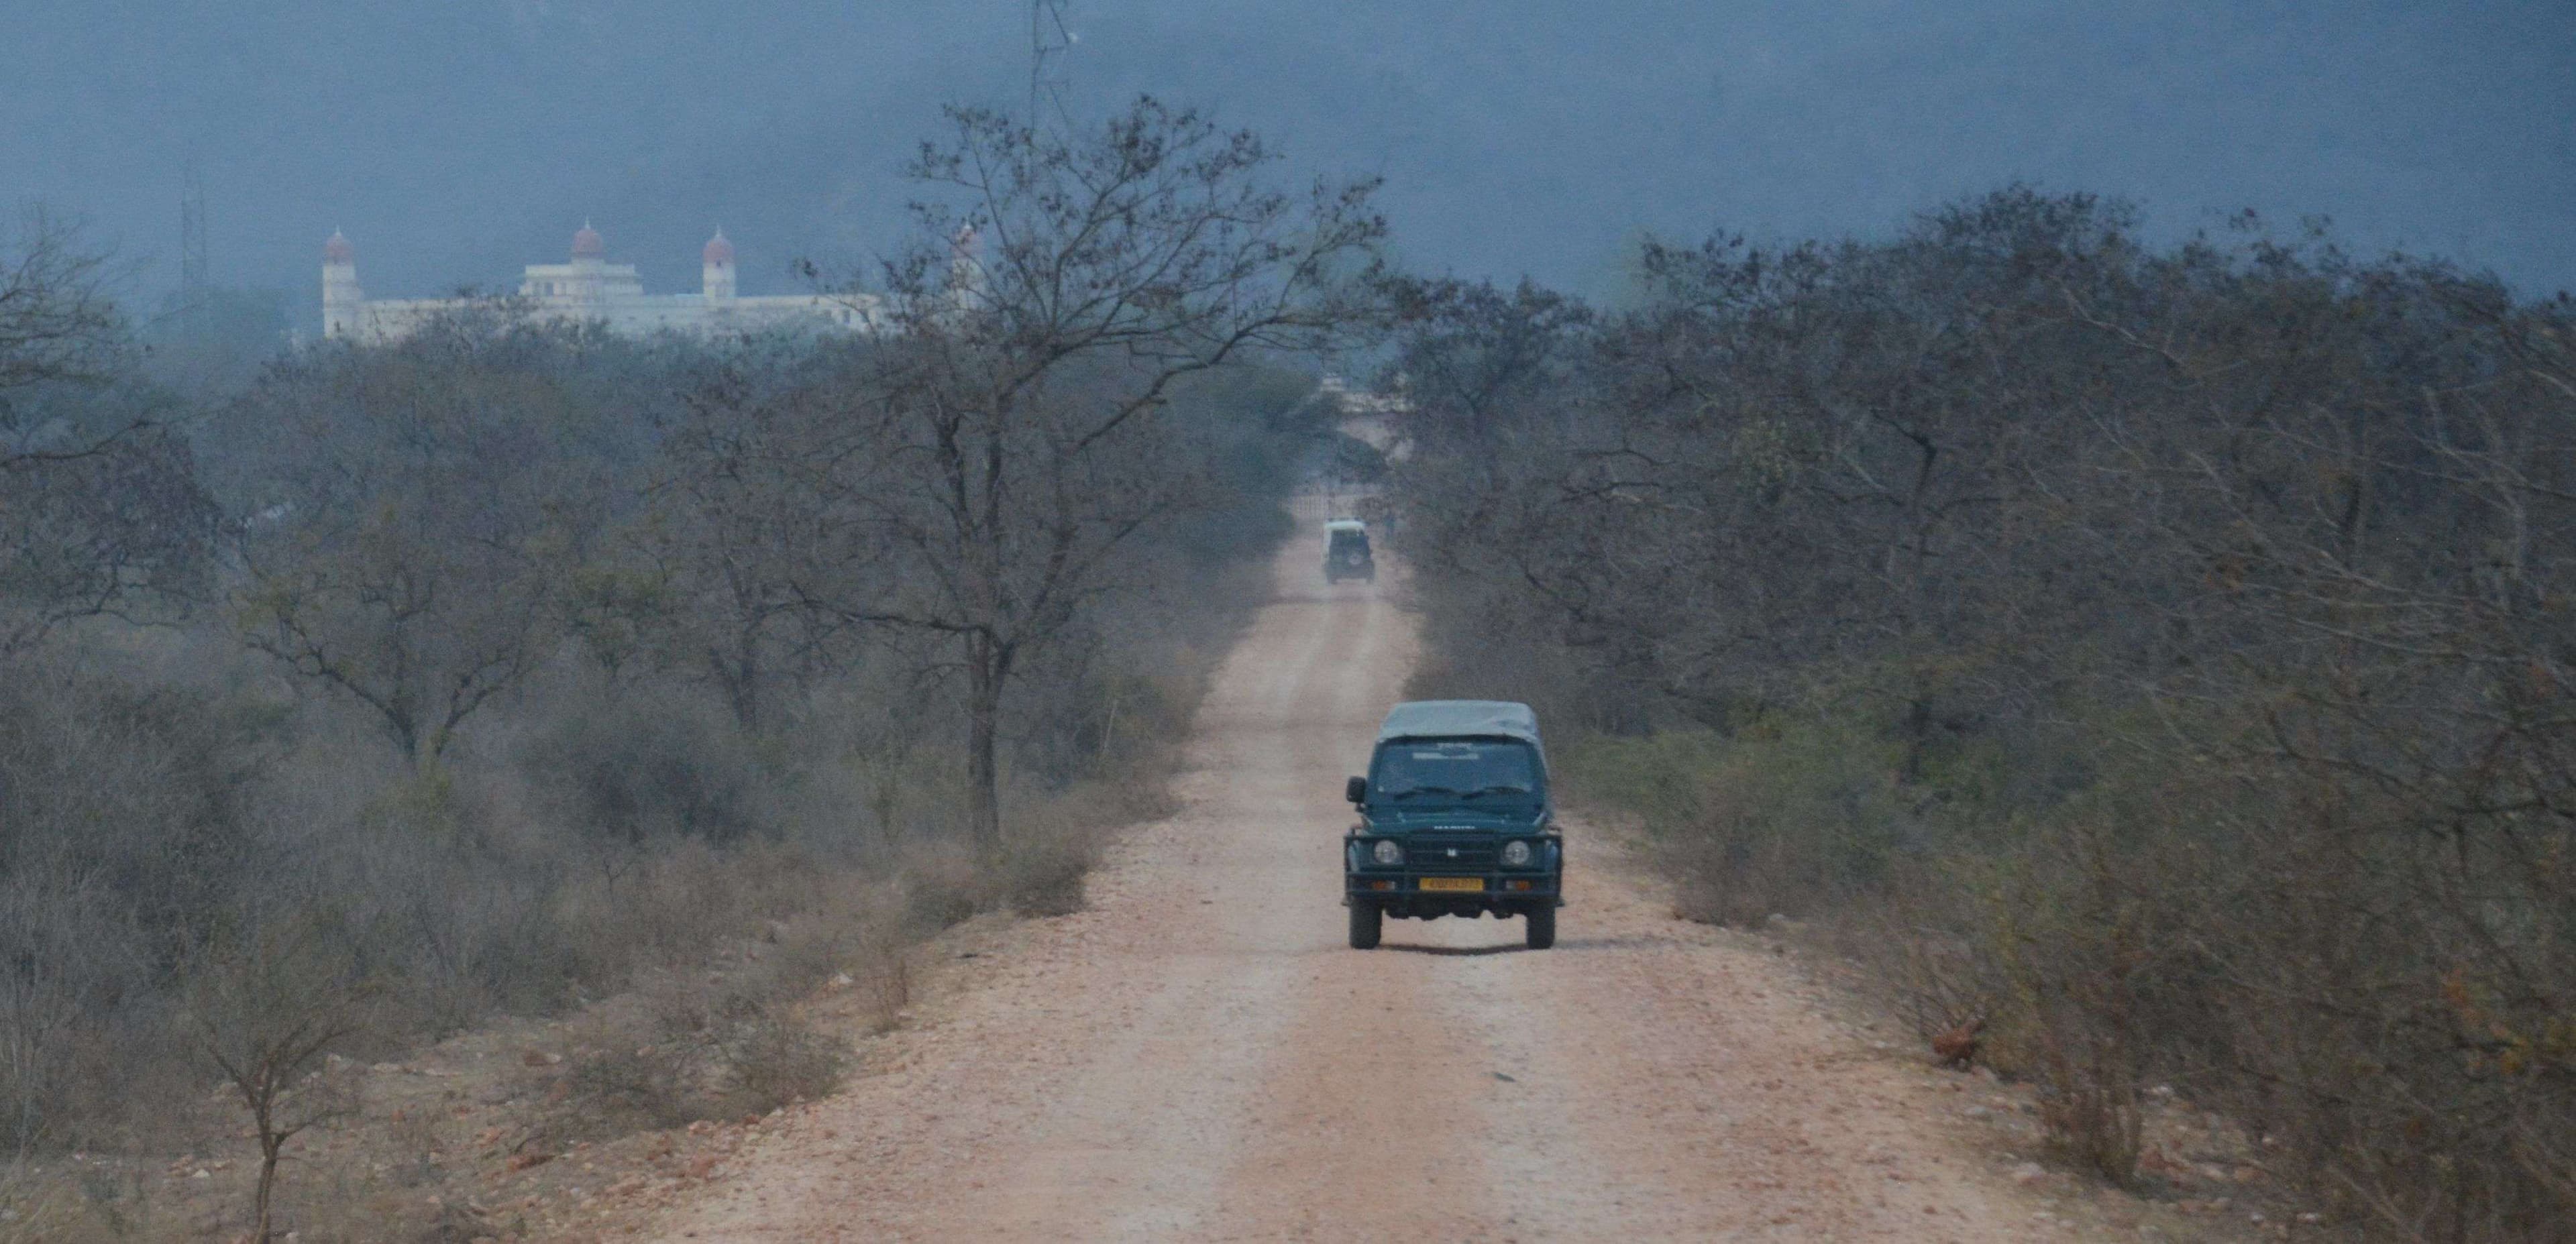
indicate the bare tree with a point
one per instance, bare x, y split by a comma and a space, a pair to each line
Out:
57, 324
100, 512
416, 550
733, 519
1011, 437
267, 1000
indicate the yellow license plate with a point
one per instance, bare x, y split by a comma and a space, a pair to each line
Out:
1468, 884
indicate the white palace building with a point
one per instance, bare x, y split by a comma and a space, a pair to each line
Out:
591, 289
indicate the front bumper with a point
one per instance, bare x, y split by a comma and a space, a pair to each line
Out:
1401, 893
1399, 890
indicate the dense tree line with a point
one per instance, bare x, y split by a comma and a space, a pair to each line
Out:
493, 668
2165, 652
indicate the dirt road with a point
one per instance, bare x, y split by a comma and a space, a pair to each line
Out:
1199, 1057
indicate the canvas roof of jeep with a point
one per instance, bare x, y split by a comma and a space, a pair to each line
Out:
1454, 719
1346, 524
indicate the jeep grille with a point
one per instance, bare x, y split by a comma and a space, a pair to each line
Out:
1462, 853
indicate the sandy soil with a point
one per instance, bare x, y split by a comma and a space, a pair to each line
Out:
1199, 1056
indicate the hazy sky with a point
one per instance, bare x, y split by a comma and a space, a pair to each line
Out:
455, 140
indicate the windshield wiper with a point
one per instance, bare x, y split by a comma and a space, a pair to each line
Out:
1425, 790
1496, 790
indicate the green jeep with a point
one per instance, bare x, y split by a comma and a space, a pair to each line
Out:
1454, 821
1346, 551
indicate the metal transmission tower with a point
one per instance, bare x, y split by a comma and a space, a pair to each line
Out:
1049, 39
192, 239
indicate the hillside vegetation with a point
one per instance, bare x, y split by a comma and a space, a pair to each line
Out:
510, 666
2164, 654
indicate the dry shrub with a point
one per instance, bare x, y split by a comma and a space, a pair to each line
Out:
269, 998
671, 907
943, 884
776, 1059
2088, 1056
2071, 925
740, 1044
122, 834
2395, 1005
345, 1199
635, 768
884, 990
652, 1066
1915, 949
692, 1044
800, 953
657, 909
623, 1077
1043, 867
1791, 820
50, 1211
2049, 932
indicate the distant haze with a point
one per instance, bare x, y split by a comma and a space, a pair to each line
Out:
455, 141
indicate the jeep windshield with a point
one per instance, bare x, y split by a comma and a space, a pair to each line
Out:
1423, 772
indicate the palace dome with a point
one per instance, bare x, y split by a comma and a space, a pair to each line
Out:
587, 244
719, 251
338, 249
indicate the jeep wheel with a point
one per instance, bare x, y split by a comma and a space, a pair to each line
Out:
1366, 920
1542, 927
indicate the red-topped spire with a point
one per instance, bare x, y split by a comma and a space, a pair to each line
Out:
719, 251
338, 249
587, 244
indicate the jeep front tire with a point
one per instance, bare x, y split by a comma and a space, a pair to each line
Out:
1542, 927
1367, 919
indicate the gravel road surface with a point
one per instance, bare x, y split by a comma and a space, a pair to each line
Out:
1198, 1056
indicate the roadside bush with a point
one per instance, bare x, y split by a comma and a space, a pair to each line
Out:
776, 1059
2157, 652
637, 767
66, 952
1043, 868
620, 1078
122, 835
1791, 818
1920, 945
2073, 945
708, 1048
50, 1213
944, 884
133, 788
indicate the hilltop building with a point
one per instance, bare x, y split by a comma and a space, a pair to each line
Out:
589, 288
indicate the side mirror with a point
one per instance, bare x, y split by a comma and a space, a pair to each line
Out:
1356, 790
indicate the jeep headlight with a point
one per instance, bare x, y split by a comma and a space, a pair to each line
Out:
1516, 853
1387, 853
